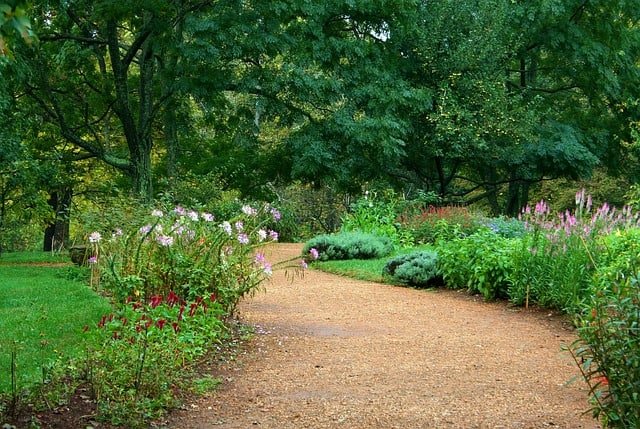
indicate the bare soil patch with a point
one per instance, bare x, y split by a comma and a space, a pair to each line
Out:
331, 352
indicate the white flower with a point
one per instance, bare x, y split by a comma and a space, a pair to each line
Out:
226, 226
193, 216
249, 211
262, 235
94, 237
207, 217
157, 213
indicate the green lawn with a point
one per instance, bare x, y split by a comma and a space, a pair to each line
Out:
364, 269
42, 314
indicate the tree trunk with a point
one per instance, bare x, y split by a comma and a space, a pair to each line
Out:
56, 234
142, 180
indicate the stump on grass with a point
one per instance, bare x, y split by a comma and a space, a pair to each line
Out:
79, 254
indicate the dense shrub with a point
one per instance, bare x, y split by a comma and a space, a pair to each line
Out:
349, 245
308, 211
415, 269
429, 224
608, 350
505, 227
376, 215
481, 262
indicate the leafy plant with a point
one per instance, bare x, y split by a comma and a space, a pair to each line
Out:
377, 216
349, 245
608, 351
431, 223
415, 269
481, 262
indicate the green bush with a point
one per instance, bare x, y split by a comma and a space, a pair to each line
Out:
481, 262
608, 350
349, 245
415, 269
432, 223
505, 227
377, 216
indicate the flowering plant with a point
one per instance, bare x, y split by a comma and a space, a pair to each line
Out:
187, 252
174, 275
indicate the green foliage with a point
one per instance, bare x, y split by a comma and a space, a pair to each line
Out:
482, 262
428, 224
308, 211
186, 252
175, 275
137, 355
505, 227
349, 245
376, 216
608, 351
415, 269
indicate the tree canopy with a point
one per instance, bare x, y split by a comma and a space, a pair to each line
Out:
468, 99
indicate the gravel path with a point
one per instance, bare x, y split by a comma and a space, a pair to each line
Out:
332, 352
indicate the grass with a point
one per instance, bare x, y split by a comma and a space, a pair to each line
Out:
42, 314
365, 269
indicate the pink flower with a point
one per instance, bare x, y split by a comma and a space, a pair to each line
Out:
266, 267
259, 259
193, 216
276, 214
304, 264
165, 240
145, 230
93, 260
243, 238
179, 210
273, 235
314, 253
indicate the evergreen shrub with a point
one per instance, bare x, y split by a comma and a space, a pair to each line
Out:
415, 269
349, 245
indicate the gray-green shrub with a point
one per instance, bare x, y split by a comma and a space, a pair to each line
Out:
415, 269
349, 245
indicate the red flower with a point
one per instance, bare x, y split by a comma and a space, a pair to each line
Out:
175, 327
213, 297
172, 299
102, 321
116, 335
181, 312
192, 310
85, 328
602, 380
160, 323
155, 301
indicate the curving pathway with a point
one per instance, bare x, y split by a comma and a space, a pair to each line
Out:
332, 352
